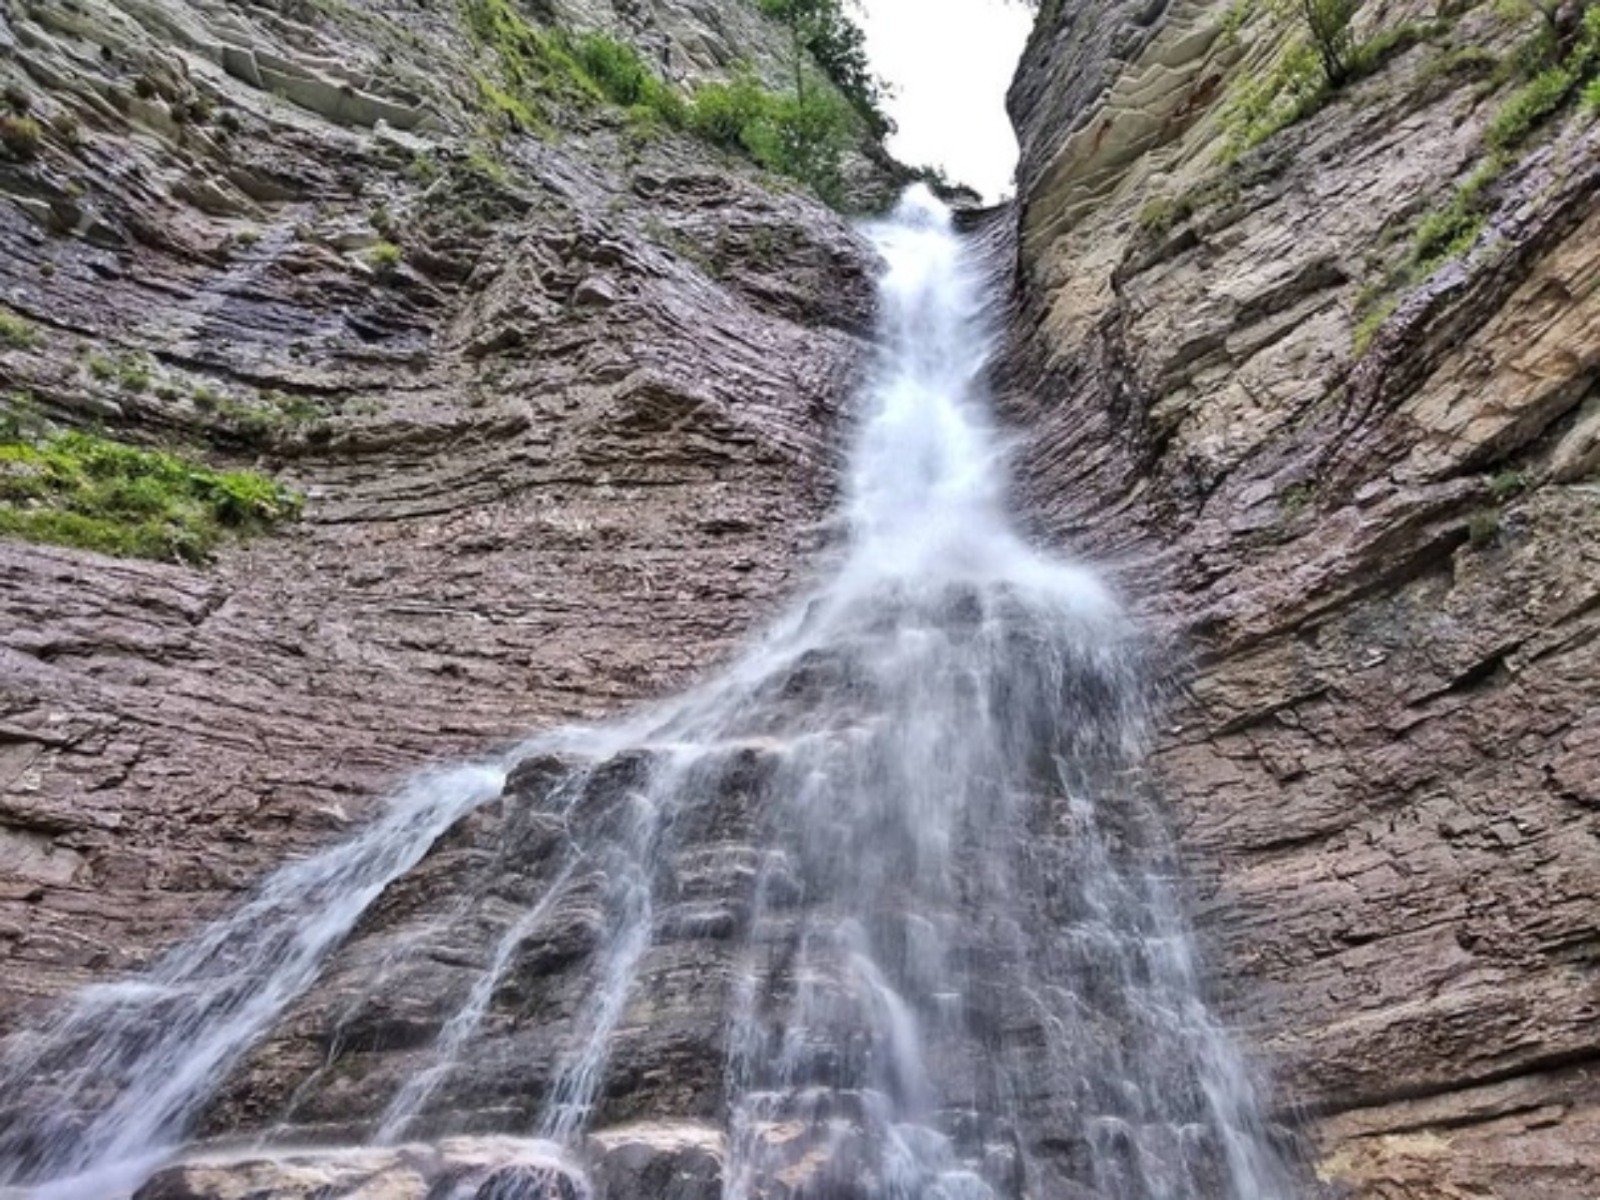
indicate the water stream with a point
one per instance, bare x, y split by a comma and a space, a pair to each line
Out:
962, 969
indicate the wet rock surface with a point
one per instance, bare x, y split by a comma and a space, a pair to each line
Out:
581, 436
1377, 556
646, 1162
557, 458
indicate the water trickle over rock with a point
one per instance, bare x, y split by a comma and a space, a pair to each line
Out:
881, 909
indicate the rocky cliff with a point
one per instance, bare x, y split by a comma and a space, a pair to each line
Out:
561, 389
1350, 469
561, 402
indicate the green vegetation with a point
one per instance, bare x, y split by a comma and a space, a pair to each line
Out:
1371, 55
1161, 213
803, 135
16, 331
383, 257
1235, 19
1293, 89
424, 167
1554, 83
20, 417
67, 128
1449, 232
618, 72
1376, 313
260, 420
485, 166
131, 372
20, 137
1296, 498
1505, 484
822, 31
1309, 72
1483, 526
84, 490
1528, 106
1328, 23
1460, 61
1438, 236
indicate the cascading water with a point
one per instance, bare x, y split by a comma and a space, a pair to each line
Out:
961, 973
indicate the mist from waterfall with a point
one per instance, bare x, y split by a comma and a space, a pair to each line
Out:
961, 969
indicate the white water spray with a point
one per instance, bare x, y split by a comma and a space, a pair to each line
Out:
963, 975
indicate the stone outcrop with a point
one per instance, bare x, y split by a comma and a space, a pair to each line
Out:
1376, 548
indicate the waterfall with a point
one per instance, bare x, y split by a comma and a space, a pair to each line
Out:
962, 968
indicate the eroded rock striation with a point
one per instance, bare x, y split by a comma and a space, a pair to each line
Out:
580, 432
557, 456
1357, 483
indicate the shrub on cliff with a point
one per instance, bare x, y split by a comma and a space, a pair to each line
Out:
1328, 22
16, 332
1550, 89
823, 31
20, 137
804, 135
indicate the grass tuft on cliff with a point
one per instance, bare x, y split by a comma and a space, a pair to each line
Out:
93, 493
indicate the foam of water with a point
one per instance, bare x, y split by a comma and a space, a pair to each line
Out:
961, 950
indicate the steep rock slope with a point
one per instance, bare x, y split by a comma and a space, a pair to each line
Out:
562, 407
1350, 471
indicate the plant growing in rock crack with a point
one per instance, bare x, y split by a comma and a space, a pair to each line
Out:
1296, 498
1310, 71
16, 331
133, 372
1374, 313
1483, 526
384, 257
1503, 485
382, 220
20, 417
20, 137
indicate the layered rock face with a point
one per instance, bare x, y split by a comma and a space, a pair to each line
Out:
1371, 525
557, 457
581, 435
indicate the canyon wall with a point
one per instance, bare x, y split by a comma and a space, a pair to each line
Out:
581, 435
557, 457
1352, 475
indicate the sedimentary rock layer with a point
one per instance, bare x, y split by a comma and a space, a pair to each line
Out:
1372, 526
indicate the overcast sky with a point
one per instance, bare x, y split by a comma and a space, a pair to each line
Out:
950, 62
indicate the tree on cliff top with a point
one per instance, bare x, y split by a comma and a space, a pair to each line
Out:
1329, 23
823, 31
